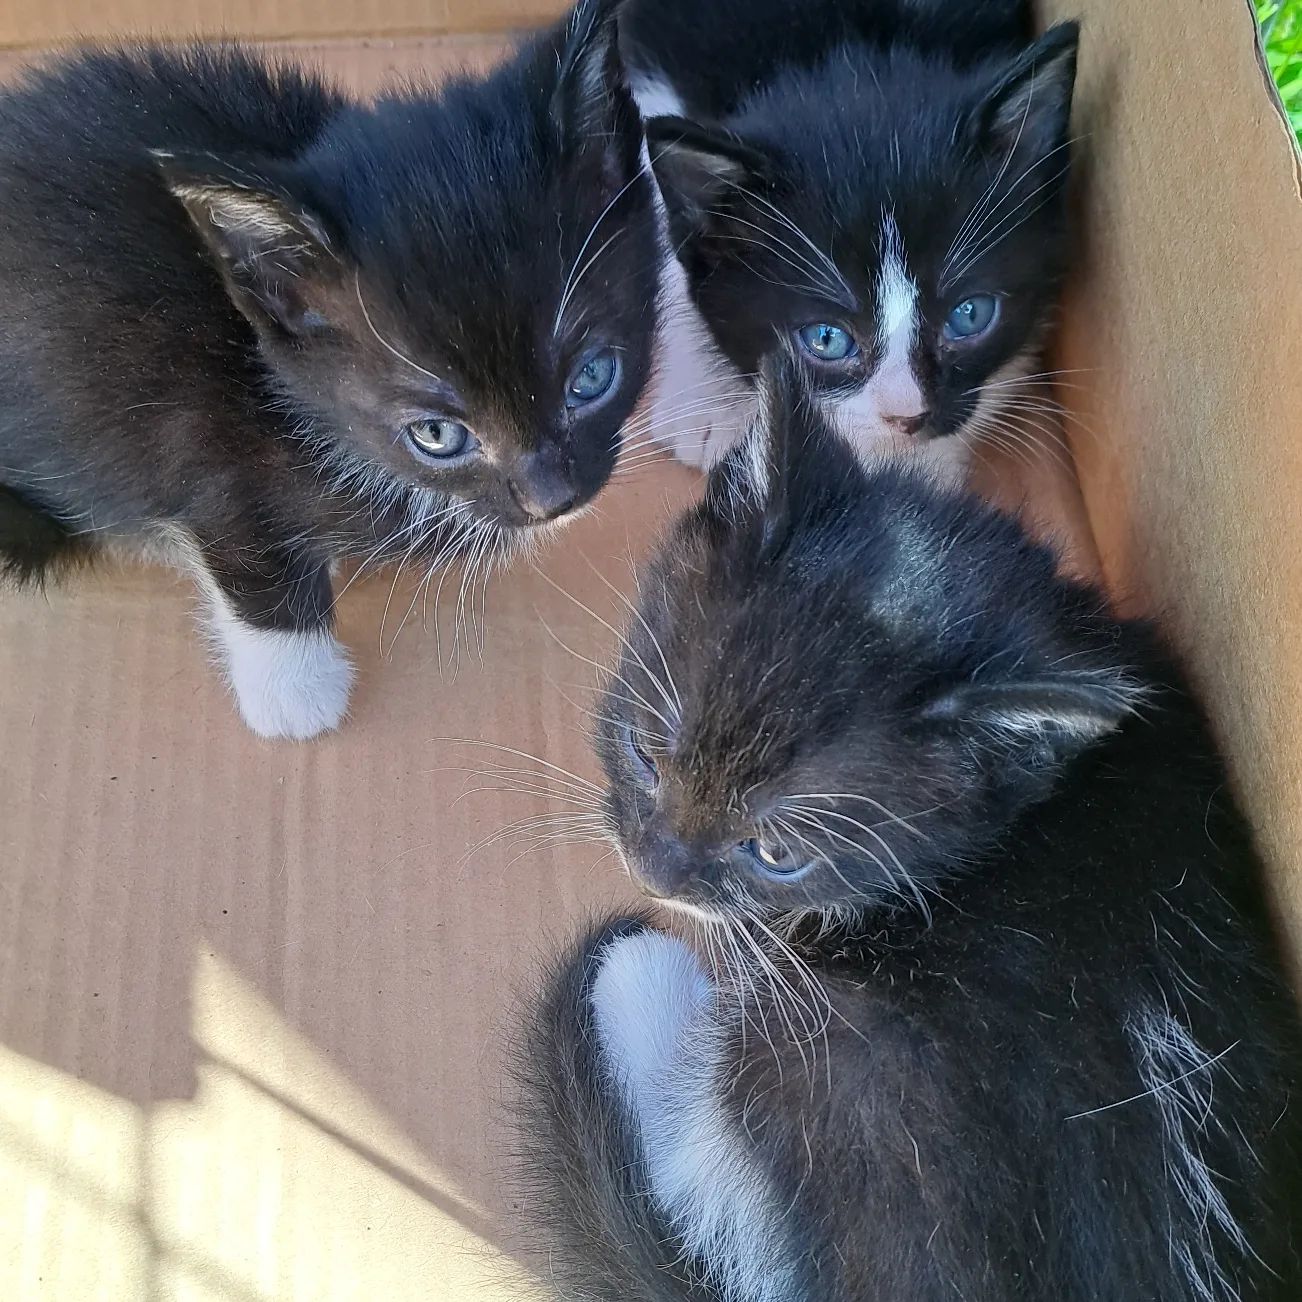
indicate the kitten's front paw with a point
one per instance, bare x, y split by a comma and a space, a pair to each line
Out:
292, 685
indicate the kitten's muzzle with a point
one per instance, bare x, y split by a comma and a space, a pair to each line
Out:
665, 867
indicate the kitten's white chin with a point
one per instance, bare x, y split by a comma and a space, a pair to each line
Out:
288, 685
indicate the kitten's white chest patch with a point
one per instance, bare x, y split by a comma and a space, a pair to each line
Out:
664, 1043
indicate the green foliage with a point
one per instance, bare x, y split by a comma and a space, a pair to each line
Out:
1281, 34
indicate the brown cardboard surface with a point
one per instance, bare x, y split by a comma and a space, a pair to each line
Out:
254, 998
36, 22
1186, 322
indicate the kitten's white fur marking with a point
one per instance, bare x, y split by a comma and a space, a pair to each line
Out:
664, 1042
892, 390
1178, 1074
654, 96
287, 684
700, 405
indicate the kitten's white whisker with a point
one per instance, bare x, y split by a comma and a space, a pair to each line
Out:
383, 342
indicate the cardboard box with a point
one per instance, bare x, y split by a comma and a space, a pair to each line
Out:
254, 997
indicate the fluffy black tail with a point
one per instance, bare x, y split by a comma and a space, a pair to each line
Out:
34, 545
598, 1236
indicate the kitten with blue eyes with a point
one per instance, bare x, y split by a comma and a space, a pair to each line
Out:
880, 181
276, 328
983, 999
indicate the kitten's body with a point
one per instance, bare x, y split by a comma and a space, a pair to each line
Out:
1019, 1028
229, 291
869, 166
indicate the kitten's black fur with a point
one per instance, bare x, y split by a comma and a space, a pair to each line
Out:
718, 55
1054, 1055
232, 295
813, 148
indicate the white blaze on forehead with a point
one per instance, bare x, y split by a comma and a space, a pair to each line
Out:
893, 383
897, 293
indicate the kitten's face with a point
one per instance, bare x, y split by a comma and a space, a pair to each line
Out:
902, 225
840, 686
458, 293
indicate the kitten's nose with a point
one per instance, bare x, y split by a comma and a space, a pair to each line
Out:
662, 865
542, 491
906, 424
899, 398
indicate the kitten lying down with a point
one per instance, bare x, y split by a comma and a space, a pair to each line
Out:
275, 328
982, 999
881, 183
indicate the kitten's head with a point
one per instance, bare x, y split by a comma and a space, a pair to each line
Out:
842, 684
455, 291
902, 220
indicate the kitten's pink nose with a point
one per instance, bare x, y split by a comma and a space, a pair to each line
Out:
906, 424
899, 399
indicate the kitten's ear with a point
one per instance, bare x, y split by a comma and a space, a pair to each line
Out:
699, 169
1029, 107
270, 250
752, 484
591, 108
1055, 714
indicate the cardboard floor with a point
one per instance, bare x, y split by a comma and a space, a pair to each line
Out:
254, 997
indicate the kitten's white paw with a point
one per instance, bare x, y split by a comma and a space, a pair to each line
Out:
292, 685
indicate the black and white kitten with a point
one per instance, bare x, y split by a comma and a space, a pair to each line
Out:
883, 182
984, 1003
276, 327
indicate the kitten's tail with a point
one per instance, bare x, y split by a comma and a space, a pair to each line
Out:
598, 1234
34, 545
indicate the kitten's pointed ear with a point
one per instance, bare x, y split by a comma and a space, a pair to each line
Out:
1029, 107
699, 169
270, 250
1053, 714
751, 486
590, 101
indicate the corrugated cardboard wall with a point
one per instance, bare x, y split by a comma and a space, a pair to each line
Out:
1185, 322
33, 22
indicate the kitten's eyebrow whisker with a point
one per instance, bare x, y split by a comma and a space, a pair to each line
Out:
384, 343
520, 754
976, 213
646, 627
571, 281
672, 705
816, 278
828, 262
607, 671
578, 280
992, 238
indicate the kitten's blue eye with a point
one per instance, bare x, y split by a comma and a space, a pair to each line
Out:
829, 343
440, 438
972, 317
592, 378
775, 859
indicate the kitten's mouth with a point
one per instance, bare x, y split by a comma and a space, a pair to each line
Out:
541, 527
